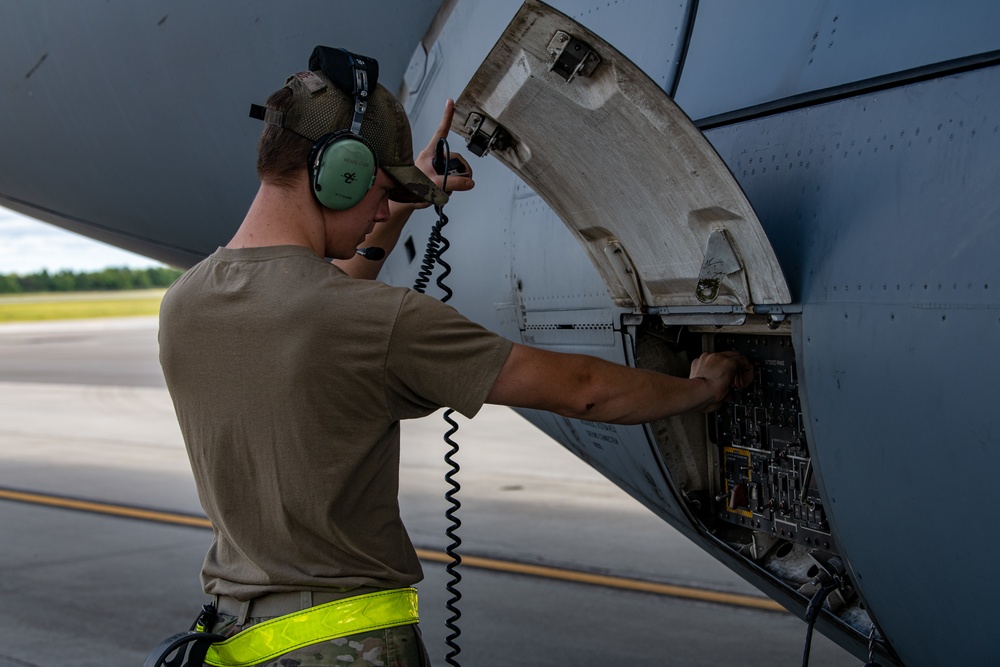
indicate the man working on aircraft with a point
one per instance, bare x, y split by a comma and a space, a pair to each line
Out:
290, 375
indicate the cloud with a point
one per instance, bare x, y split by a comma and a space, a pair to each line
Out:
28, 246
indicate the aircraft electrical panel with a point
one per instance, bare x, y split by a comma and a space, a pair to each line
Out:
744, 471
765, 478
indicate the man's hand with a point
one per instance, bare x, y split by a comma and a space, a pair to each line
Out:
723, 372
424, 161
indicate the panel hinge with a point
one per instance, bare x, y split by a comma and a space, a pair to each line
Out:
484, 134
700, 315
572, 57
720, 261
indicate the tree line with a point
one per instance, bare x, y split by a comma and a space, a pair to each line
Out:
121, 278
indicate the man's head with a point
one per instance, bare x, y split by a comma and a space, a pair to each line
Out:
311, 107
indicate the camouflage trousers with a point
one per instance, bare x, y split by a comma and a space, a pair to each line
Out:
401, 646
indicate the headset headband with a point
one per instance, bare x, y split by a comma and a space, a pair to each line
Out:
351, 73
355, 74
360, 92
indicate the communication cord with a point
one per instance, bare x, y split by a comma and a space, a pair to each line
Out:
437, 244
828, 579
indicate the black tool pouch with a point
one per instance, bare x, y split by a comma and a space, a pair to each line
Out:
187, 649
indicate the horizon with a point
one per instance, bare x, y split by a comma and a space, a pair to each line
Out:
30, 246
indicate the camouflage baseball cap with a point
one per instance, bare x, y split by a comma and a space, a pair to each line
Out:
319, 108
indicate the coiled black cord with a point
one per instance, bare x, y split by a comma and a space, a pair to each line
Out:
437, 244
452, 549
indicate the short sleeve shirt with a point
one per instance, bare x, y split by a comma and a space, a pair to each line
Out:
289, 379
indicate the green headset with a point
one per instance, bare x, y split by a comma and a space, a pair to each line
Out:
342, 164
342, 168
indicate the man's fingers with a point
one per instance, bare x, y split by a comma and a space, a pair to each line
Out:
743, 370
728, 370
445, 126
460, 183
744, 374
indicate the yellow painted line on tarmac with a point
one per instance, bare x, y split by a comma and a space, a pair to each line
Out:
511, 567
105, 508
686, 592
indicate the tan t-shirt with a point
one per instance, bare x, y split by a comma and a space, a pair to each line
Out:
289, 379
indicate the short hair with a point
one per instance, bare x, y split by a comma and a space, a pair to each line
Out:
281, 153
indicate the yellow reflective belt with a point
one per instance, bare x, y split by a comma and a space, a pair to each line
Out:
340, 618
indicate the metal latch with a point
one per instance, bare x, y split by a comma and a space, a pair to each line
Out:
720, 261
572, 57
484, 133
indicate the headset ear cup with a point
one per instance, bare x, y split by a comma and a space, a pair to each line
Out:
343, 170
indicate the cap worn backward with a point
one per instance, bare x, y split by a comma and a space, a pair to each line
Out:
320, 108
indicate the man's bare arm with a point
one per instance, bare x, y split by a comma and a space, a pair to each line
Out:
585, 387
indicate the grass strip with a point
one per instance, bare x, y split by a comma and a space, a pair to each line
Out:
27, 308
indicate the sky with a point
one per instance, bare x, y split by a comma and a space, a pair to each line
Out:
28, 246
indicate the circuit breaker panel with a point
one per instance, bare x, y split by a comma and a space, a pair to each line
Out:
764, 471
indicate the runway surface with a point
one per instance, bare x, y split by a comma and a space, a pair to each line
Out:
84, 416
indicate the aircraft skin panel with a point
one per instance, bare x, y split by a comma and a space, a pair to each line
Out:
777, 49
112, 80
881, 157
885, 213
647, 220
623, 455
562, 300
866, 445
